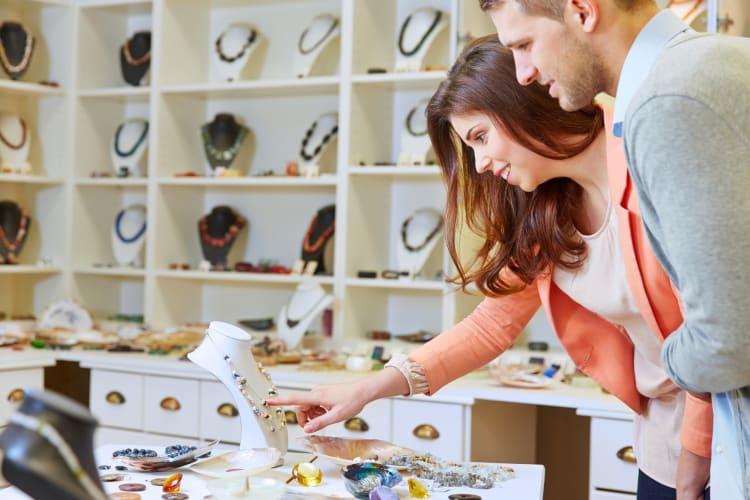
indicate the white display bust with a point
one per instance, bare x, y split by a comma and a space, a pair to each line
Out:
15, 141
232, 50
307, 303
318, 137
322, 30
129, 145
419, 235
415, 142
129, 235
416, 35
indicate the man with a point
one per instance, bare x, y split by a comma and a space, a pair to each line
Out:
683, 107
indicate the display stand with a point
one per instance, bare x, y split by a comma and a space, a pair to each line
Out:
14, 227
307, 303
415, 142
135, 58
128, 147
419, 235
16, 48
233, 48
318, 243
222, 139
218, 230
225, 352
317, 35
129, 235
15, 141
317, 139
49, 449
417, 33
692, 12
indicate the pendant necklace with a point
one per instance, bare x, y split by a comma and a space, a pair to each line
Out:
334, 22
229, 236
322, 239
230, 59
418, 46
690, 12
24, 62
303, 150
12, 246
144, 134
21, 143
50, 434
259, 407
134, 61
435, 230
222, 156
118, 229
409, 127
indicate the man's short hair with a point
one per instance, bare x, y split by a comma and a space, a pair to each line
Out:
554, 8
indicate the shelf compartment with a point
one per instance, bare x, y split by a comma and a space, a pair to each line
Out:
27, 290
319, 85
105, 295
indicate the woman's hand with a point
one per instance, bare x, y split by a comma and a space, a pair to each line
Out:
692, 475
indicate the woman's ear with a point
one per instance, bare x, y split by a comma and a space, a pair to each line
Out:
583, 13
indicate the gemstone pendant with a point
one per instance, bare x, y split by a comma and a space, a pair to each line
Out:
307, 474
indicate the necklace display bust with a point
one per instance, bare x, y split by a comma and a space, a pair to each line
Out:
232, 49
226, 353
129, 235
49, 449
14, 228
15, 142
218, 231
306, 303
313, 41
135, 58
419, 236
16, 48
415, 142
222, 138
318, 138
417, 35
318, 242
129, 145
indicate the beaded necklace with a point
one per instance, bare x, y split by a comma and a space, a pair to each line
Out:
133, 61
49, 433
222, 156
435, 230
229, 236
118, 230
418, 46
230, 59
25, 59
144, 134
21, 143
409, 127
322, 239
12, 246
303, 150
300, 43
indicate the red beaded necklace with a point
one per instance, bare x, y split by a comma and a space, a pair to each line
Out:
229, 236
11, 246
314, 247
21, 143
134, 61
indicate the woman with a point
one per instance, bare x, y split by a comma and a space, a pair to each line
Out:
561, 230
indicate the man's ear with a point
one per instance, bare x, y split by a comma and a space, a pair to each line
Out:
583, 13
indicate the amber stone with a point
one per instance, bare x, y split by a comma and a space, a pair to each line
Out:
307, 474
417, 489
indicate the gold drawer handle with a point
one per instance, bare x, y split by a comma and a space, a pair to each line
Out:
626, 454
356, 424
170, 404
15, 396
426, 431
290, 417
115, 398
227, 410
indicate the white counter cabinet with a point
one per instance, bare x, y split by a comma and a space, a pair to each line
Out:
18, 372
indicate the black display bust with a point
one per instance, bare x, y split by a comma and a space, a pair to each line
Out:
34, 462
135, 57
222, 138
17, 45
14, 226
316, 244
217, 231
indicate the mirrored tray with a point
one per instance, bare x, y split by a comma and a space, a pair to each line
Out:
163, 462
238, 463
344, 451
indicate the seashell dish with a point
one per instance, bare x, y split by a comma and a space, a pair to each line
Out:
344, 451
361, 478
238, 463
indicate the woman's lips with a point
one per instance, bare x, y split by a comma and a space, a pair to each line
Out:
504, 172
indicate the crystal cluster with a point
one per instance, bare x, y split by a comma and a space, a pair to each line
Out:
443, 473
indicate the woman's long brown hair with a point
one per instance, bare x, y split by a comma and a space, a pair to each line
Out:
524, 233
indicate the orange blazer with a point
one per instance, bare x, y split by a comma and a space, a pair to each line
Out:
598, 347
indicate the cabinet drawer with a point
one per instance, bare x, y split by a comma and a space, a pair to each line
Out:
116, 399
374, 422
608, 436
409, 417
215, 420
294, 430
170, 405
12, 385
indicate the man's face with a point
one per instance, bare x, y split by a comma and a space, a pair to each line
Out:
550, 52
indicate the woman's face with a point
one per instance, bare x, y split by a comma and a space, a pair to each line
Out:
498, 154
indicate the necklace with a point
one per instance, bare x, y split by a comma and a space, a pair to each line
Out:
12, 246
25, 59
690, 12
134, 61
323, 17
291, 323
409, 128
435, 230
221, 157
231, 59
229, 236
303, 150
314, 247
49, 433
21, 143
144, 134
118, 230
418, 46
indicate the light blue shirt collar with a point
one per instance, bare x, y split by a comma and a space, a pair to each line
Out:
641, 57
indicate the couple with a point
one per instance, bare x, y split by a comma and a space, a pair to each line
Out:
555, 201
